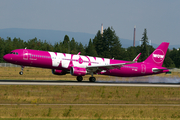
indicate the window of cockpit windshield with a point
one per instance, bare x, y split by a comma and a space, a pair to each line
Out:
15, 53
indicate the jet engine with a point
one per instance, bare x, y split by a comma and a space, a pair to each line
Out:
77, 71
58, 72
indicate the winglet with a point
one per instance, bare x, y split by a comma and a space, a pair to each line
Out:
79, 53
137, 57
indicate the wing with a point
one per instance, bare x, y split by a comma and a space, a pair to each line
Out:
99, 68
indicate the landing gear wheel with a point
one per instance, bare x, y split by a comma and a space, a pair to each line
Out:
79, 78
92, 79
21, 72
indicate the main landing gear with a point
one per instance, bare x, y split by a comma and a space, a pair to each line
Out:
91, 79
79, 78
21, 72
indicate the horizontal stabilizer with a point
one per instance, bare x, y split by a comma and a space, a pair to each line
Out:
158, 70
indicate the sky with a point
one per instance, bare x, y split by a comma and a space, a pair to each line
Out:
161, 18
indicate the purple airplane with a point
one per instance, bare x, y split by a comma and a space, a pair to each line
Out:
79, 65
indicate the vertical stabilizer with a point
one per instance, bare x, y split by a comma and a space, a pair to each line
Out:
158, 56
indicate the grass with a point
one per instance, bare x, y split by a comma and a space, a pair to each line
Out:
30, 73
90, 112
36, 95
19, 94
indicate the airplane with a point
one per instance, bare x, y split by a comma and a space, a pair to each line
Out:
79, 65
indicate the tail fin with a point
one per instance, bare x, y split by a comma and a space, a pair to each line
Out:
157, 57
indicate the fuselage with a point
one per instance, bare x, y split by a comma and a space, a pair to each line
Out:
63, 61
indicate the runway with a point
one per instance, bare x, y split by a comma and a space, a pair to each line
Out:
86, 83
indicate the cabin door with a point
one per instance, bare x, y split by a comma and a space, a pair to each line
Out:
25, 55
143, 68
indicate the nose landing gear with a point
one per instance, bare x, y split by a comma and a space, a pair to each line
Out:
21, 72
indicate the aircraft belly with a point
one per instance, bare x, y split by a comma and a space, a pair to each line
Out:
122, 72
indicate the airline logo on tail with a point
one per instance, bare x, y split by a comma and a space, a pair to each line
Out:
158, 56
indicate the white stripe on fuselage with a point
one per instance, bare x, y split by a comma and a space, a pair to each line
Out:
77, 60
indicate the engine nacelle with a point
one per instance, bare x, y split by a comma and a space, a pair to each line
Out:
77, 71
58, 72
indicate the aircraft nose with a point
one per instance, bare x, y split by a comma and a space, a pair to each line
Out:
6, 57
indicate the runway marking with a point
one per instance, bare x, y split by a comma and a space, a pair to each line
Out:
96, 104
89, 84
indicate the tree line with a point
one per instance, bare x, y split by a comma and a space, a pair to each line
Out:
106, 45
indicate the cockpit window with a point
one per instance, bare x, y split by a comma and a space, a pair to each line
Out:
15, 53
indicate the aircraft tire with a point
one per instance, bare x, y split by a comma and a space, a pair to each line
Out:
21, 72
79, 78
92, 79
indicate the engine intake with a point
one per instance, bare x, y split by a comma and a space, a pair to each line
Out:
77, 71
58, 72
